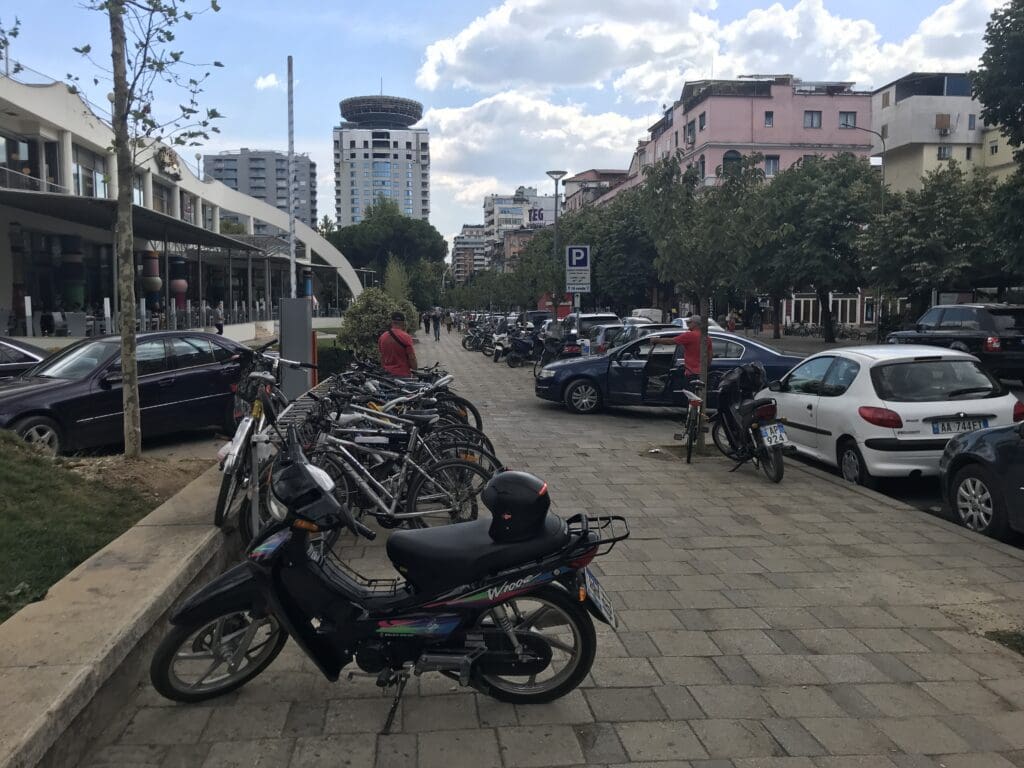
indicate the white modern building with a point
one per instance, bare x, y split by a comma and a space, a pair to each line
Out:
522, 208
58, 188
378, 153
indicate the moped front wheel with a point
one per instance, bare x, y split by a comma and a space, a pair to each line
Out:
209, 658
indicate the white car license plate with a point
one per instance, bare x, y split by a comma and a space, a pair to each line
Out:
600, 598
774, 434
955, 426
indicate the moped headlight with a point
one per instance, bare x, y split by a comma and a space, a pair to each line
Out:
277, 510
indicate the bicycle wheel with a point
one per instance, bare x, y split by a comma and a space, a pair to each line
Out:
692, 430
465, 410
448, 493
462, 433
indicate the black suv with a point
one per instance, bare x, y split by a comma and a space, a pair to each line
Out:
994, 333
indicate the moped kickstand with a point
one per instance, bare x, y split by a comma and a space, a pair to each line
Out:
399, 679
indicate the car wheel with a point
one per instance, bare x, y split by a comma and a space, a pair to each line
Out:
978, 503
40, 432
583, 396
852, 466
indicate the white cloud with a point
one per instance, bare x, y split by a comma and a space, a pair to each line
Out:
512, 138
645, 49
265, 82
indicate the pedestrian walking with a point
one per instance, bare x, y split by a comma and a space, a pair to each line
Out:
425, 318
732, 322
448, 321
435, 319
218, 317
397, 355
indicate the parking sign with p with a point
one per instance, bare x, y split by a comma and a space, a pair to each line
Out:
577, 257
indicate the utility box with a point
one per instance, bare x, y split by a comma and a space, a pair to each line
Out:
296, 344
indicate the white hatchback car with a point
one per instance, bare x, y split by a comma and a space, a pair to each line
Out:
888, 411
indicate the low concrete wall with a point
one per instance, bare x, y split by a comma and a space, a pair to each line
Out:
68, 661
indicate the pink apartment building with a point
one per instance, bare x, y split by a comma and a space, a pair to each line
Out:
783, 118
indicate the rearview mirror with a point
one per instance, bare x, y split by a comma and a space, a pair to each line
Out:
110, 379
775, 386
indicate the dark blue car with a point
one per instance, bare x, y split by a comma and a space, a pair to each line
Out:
642, 373
982, 479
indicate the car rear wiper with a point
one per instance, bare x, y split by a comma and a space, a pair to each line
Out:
969, 390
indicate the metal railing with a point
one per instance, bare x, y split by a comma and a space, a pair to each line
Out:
12, 179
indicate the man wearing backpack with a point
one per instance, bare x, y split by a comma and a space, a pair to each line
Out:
397, 355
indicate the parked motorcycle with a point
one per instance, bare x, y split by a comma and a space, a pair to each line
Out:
523, 347
746, 429
502, 604
556, 349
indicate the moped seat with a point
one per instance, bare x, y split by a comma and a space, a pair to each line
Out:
421, 418
437, 559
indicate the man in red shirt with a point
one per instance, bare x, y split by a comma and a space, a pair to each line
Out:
397, 355
689, 340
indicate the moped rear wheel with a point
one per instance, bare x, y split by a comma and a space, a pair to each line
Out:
549, 616
199, 661
721, 440
771, 463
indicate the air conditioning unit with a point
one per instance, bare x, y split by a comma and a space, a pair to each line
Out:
943, 131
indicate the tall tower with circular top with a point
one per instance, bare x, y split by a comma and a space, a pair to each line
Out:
379, 154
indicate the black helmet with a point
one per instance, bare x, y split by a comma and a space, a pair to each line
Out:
519, 503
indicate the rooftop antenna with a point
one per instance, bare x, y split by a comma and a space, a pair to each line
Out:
382, 86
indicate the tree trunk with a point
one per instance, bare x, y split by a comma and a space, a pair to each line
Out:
124, 237
703, 304
826, 316
777, 315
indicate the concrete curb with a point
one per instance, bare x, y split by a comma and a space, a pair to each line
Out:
61, 653
882, 499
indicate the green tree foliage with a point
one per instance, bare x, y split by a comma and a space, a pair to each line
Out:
999, 82
425, 282
396, 280
702, 235
937, 236
821, 206
1007, 221
368, 317
385, 232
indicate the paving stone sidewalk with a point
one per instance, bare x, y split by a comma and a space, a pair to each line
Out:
800, 625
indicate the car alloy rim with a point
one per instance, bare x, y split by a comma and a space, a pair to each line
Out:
974, 503
584, 397
41, 436
851, 466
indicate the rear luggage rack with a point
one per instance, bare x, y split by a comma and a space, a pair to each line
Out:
610, 529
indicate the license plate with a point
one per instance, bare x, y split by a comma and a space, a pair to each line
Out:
599, 597
774, 434
955, 426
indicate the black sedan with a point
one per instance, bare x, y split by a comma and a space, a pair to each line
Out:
72, 400
641, 373
17, 356
982, 477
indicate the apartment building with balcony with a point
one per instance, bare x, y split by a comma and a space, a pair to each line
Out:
584, 188
522, 208
469, 252
781, 117
926, 120
58, 189
379, 153
263, 174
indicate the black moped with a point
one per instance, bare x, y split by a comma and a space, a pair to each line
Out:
502, 604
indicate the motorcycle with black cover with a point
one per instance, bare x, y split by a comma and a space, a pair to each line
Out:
502, 604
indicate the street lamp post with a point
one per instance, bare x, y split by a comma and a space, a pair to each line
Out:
556, 176
880, 138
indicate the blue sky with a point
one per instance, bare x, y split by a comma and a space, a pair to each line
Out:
516, 87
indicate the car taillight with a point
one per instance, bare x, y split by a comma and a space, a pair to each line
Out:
765, 412
993, 344
880, 417
572, 348
1018, 411
601, 348
583, 560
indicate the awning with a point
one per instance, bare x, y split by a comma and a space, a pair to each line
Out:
102, 213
